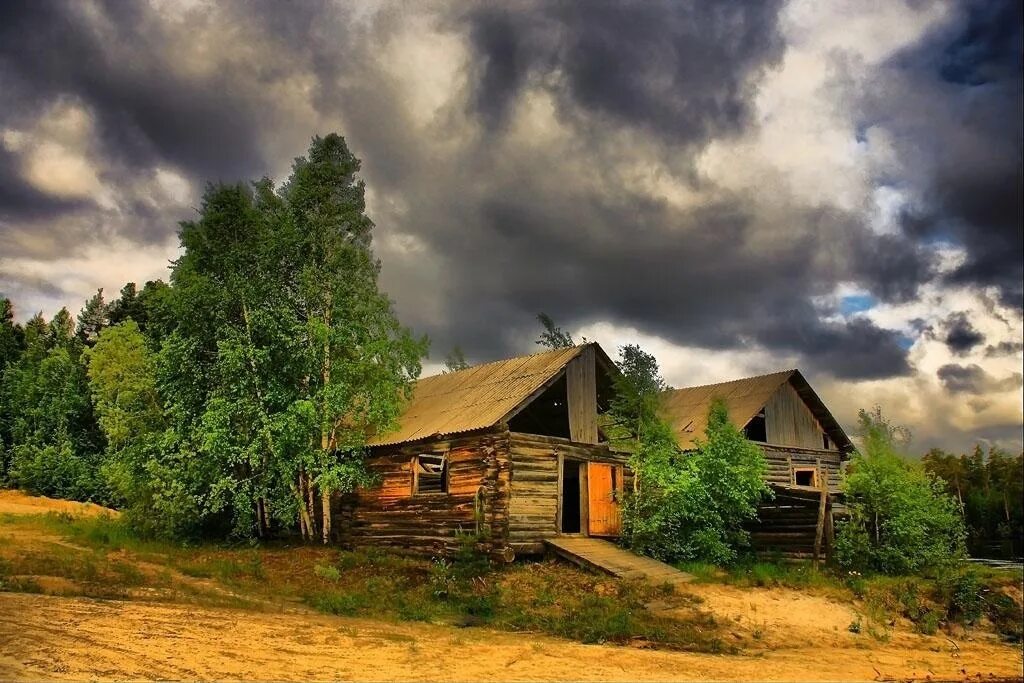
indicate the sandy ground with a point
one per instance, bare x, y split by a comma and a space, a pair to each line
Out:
785, 635
18, 503
46, 637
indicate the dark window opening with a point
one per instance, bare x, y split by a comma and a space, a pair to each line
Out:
825, 442
804, 477
546, 415
757, 429
570, 497
430, 474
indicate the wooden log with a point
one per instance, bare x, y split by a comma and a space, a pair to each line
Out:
820, 528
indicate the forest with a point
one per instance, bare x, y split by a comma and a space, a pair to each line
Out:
235, 398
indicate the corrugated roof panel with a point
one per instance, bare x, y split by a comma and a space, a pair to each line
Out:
474, 398
687, 409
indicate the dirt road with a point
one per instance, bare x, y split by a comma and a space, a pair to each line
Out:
47, 637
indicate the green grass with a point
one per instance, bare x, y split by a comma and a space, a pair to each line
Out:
543, 597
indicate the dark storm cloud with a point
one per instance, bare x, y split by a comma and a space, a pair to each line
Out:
956, 124
686, 70
471, 211
18, 199
960, 335
1004, 348
973, 379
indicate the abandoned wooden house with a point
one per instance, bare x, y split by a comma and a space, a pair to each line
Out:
510, 451
804, 447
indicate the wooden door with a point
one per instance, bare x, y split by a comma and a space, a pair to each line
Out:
604, 484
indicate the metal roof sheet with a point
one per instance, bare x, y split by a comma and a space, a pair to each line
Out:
474, 398
687, 409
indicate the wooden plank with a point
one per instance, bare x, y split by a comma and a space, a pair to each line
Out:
581, 394
603, 556
820, 528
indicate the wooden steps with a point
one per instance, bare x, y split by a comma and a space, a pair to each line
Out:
604, 556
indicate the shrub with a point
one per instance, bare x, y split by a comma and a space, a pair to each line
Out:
692, 506
901, 521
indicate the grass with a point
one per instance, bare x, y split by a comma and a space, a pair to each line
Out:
963, 596
102, 558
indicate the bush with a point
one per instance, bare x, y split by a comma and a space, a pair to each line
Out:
901, 521
692, 506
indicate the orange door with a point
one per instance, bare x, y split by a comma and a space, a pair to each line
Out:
605, 488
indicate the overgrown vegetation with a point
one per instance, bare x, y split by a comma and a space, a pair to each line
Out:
901, 520
683, 506
235, 400
989, 488
953, 596
465, 591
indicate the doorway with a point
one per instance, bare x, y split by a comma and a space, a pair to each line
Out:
571, 497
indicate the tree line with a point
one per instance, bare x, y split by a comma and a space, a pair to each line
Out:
236, 398
989, 489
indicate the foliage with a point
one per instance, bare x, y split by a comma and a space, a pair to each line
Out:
455, 360
683, 506
52, 445
93, 318
553, 337
989, 489
901, 519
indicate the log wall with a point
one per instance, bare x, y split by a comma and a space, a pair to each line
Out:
389, 515
782, 461
533, 513
787, 525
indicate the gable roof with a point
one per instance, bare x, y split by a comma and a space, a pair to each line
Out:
687, 409
477, 397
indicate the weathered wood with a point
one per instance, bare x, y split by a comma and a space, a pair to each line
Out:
606, 557
789, 422
820, 527
581, 394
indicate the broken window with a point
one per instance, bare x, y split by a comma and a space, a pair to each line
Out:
430, 474
825, 442
756, 429
805, 476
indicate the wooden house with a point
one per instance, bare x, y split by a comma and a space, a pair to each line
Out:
803, 444
510, 451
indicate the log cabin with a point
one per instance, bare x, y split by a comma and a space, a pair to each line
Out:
510, 452
804, 447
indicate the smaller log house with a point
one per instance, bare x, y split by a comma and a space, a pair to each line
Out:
804, 446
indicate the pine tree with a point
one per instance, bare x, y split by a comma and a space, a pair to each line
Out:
93, 318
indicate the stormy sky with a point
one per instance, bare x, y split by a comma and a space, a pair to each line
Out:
738, 187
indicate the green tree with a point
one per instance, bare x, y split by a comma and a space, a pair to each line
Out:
553, 337
684, 506
455, 360
54, 446
157, 488
12, 336
284, 356
358, 359
93, 318
901, 520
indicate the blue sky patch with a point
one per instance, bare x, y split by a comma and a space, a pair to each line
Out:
856, 303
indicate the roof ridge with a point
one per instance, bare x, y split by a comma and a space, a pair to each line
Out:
738, 379
563, 349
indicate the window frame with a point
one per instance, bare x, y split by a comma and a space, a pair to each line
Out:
415, 474
814, 476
